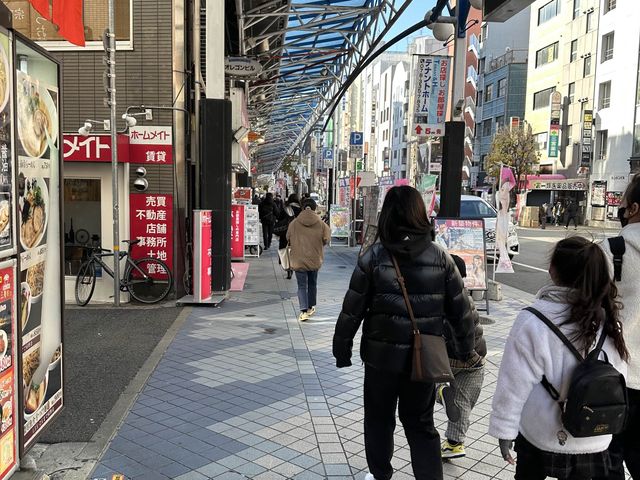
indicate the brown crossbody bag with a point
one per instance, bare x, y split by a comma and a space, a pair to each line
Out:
430, 362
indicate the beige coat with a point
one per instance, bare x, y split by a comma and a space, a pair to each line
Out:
307, 235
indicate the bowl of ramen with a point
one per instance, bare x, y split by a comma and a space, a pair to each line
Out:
25, 304
34, 395
34, 211
37, 116
5, 87
30, 364
55, 358
35, 279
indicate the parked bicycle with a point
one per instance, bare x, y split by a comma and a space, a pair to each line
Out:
148, 280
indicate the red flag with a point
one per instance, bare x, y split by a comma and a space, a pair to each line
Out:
42, 7
67, 15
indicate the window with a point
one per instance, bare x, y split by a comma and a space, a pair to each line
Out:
547, 54
502, 87
484, 32
499, 122
548, 11
95, 13
576, 8
589, 21
572, 92
481, 64
609, 5
479, 98
488, 93
586, 69
607, 47
574, 51
541, 139
476, 209
602, 137
542, 98
82, 211
486, 128
604, 97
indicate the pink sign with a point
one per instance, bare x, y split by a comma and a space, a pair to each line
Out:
151, 221
202, 255
237, 231
93, 148
151, 145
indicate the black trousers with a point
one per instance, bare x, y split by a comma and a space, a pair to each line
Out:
383, 391
625, 447
531, 463
267, 233
572, 217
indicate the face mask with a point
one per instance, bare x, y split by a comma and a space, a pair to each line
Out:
621, 212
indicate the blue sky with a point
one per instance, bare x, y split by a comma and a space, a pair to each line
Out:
412, 15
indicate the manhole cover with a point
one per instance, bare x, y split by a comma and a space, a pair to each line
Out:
486, 321
270, 331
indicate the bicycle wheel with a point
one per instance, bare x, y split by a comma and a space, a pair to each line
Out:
149, 281
85, 283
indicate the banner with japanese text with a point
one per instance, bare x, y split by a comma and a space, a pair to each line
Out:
152, 145
237, 232
432, 94
202, 255
151, 221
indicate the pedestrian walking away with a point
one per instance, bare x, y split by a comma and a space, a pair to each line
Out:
581, 306
287, 214
558, 211
461, 396
307, 235
436, 291
626, 446
572, 214
542, 215
268, 214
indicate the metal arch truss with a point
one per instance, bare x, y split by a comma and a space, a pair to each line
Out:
307, 51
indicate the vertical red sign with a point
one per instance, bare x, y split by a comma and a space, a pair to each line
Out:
237, 231
8, 394
151, 145
151, 221
202, 255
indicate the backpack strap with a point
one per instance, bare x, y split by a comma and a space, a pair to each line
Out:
557, 332
617, 246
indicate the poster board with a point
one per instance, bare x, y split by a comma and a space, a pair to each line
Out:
465, 238
40, 248
237, 232
340, 221
252, 226
201, 255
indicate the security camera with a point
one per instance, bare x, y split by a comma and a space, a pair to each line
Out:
131, 121
140, 184
85, 129
141, 171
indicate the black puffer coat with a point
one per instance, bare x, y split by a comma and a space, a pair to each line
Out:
436, 292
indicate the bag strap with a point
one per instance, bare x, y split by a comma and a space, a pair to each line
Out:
557, 332
618, 247
405, 294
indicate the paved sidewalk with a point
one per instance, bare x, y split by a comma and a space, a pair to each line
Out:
246, 391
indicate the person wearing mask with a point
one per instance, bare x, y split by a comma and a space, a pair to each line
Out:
307, 236
581, 302
436, 291
267, 212
287, 214
626, 446
572, 214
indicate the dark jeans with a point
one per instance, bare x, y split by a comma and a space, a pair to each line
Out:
626, 446
383, 391
307, 289
267, 233
575, 221
530, 463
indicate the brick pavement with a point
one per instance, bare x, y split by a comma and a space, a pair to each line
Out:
246, 391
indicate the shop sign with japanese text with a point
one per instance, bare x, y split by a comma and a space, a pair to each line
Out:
93, 148
237, 231
151, 221
432, 89
153, 145
202, 257
569, 184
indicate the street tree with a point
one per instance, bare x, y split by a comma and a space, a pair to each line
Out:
516, 148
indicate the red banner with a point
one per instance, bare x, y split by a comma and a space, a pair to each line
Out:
202, 255
8, 394
151, 221
237, 231
67, 14
94, 148
151, 145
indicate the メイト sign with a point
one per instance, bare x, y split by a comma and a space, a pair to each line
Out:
152, 145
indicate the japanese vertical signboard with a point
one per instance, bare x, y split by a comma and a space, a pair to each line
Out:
151, 145
8, 371
587, 142
432, 93
40, 278
151, 222
598, 193
7, 164
428, 191
327, 155
251, 225
237, 231
201, 255
554, 124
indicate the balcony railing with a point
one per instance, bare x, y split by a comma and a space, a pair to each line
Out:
512, 56
472, 76
474, 45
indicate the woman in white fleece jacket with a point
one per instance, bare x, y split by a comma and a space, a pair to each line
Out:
523, 410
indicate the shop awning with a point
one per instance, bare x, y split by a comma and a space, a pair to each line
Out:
307, 50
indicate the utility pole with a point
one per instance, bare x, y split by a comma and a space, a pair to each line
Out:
110, 49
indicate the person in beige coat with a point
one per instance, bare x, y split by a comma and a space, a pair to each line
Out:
307, 235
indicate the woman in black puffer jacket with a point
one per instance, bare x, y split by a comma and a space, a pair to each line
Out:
436, 292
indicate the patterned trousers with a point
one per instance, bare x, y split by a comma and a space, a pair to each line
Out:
467, 387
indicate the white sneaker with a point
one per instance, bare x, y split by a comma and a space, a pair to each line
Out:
311, 312
369, 476
304, 316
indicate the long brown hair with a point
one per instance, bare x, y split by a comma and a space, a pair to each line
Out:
581, 265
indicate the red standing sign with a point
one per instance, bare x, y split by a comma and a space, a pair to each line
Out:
202, 255
151, 217
237, 231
